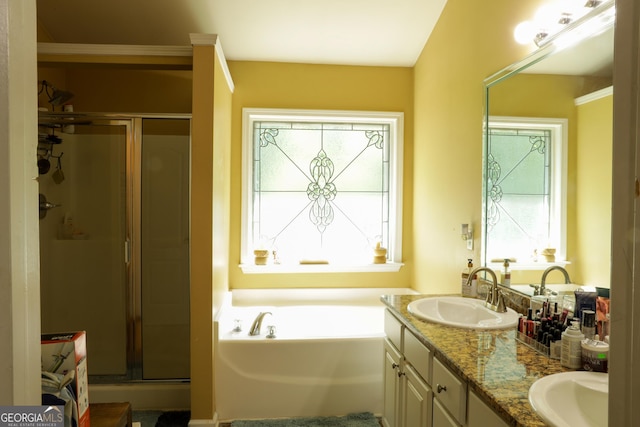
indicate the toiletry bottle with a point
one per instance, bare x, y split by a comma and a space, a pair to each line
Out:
506, 281
589, 324
529, 322
464, 278
67, 226
474, 284
469, 288
570, 351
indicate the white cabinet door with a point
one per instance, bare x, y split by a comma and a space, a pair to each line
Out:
392, 357
441, 417
416, 410
480, 415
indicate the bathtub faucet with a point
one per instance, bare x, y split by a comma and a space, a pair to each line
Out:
257, 324
543, 281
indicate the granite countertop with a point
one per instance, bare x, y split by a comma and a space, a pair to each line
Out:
493, 363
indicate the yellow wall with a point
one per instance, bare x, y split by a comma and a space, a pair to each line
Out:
210, 185
305, 86
201, 299
118, 89
593, 188
470, 42
221, 183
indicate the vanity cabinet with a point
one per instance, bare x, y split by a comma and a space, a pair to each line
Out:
407, 395
420, 391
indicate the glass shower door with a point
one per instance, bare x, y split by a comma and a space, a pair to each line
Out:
83, 270
165, 248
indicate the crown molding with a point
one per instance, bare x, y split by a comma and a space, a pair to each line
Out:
593, 96
112, 50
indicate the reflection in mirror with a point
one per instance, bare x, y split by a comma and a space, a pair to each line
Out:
526, 206
526, 182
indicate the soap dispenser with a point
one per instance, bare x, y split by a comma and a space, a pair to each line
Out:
506, 281
469, 287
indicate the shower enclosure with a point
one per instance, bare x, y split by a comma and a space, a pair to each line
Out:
114, 240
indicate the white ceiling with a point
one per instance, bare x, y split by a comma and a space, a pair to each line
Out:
351, 32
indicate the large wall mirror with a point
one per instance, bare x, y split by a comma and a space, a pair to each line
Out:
547, 156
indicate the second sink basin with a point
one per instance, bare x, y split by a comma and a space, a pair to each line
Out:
572, 399
462, 312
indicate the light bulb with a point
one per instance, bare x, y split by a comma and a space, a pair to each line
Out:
524, 32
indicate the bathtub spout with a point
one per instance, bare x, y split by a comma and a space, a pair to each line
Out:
257, 324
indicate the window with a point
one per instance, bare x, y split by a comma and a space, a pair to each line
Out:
525, 187
321, 186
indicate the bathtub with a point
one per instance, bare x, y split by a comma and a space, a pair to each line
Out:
326, 358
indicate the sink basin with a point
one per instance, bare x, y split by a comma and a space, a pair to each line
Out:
572, 399
462, 312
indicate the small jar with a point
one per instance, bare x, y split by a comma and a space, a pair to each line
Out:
595, 356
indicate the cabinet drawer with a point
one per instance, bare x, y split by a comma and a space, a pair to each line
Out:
418, 355
393, 329
450, 391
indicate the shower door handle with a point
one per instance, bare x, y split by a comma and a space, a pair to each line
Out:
127, 251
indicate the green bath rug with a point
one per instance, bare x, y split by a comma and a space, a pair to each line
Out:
365, 419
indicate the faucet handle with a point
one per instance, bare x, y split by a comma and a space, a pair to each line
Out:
271, 329
501, 307
489, 299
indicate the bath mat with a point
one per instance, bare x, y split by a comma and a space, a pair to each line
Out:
174, 419
364, 419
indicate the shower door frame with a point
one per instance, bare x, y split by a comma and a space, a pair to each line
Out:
132, 252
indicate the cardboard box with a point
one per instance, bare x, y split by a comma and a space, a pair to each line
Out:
64, 352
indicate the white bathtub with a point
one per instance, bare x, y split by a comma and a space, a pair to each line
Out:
326, 358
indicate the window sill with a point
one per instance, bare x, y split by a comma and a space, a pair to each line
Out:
528, 266
389, 267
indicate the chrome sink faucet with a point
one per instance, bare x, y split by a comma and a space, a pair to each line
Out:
543, 281
495, 299
257, 323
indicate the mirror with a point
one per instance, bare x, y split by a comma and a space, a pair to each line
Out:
571, 87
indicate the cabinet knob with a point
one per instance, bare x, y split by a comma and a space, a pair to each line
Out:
394, 365
441, 388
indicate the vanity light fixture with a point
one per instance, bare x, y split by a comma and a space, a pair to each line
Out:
563, 23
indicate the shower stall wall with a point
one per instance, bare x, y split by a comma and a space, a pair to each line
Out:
114, 240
